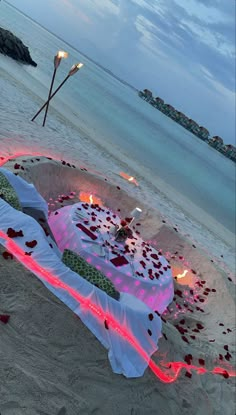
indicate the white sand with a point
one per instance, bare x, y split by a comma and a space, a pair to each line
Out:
49, 359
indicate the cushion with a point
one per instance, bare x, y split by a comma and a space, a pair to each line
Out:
8, 194
78, 264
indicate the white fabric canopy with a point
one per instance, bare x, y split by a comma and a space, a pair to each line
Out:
27, 194
103, 315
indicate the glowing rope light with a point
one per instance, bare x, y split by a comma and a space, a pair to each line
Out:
98, 312
31, 264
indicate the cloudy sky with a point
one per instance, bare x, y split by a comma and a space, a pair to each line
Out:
183, 50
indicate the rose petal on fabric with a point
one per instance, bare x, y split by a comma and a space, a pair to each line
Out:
226, 347
28, 253
31, 244
201, 362
106, 324
150, 316
199, 326
11, 233
149, 332
188, 375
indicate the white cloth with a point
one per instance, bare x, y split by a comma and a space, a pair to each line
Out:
137, 318
27, 194
147, 275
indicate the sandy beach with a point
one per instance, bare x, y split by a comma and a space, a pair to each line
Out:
52, 364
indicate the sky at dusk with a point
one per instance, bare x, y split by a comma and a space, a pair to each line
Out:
183, 50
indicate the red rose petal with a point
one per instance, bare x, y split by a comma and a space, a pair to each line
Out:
106, 324
188, 375
201, 362
7, 255
31, 244
11, 233
187, 359
4, 318
150, 316
185, 339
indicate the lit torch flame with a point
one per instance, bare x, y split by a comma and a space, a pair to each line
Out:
131, 179
182, 275
91, 198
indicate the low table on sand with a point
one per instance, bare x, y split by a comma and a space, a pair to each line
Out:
134, 267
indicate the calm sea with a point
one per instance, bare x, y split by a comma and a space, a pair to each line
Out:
110, 113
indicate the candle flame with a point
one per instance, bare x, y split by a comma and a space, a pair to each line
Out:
129, 178
89, 198
182, 275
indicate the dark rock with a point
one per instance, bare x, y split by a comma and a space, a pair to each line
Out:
13, 47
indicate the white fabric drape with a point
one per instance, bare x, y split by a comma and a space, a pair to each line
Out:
129, 312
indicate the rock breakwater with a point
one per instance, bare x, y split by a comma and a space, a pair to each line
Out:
12, 46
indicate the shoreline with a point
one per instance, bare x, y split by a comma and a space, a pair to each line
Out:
111, 160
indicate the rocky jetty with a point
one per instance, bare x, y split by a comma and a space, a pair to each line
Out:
12, 46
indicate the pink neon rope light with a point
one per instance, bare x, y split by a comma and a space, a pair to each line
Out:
31, 264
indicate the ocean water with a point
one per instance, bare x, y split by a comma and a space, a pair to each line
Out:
100, 120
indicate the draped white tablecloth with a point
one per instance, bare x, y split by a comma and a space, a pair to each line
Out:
93, 306
147, 274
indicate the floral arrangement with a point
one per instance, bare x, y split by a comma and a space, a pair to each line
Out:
123, 232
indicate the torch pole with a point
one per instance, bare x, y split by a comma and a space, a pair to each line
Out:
49, 99
49, 95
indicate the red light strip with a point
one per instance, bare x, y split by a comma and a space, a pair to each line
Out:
31, 264
98, 312
4, 160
